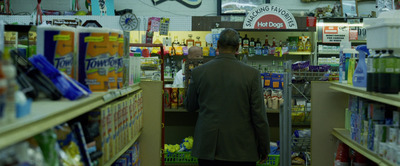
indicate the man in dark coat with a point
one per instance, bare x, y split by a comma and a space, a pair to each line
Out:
232, 126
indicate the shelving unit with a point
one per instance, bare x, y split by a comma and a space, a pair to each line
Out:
344, 136
168, 79
328, 113
300, 53
175, 110
391, 99
127, 146
328, 53
46, 114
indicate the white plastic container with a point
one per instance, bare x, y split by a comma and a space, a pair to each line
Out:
383, 32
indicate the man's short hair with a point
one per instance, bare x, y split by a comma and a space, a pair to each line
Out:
229, 39
195, 52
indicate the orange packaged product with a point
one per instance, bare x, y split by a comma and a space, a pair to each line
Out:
57, 44
113, 59
120, 61
94, 58
174, 98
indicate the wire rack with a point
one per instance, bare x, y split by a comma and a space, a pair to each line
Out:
301, 81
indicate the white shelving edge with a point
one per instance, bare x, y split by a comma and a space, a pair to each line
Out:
46, 114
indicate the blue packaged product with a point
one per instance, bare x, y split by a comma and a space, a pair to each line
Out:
130, 152
212, 51
371, 135
282, 81
275, 81
120, 162
342, 66
267, 80
128, 159
360, 73
346, 65
265, 51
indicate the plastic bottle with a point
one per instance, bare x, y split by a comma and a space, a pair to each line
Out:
206, 49
371, 71
273, 42
266, 46
388, 78
167, 71
308, 46
351, 69
240, 50
347, 65
360, 73
252, 47
246, 43
342, 61
258, 48
379, 70
10, 73
300, 44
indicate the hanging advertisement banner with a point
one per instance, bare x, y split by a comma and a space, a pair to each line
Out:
335, 34
269, 16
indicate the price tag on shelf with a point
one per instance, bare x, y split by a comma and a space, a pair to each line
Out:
124, 91
117, 93
108, 97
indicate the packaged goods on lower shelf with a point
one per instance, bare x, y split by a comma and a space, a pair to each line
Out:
26, 152
273, 98
375, 126
345, 155
174, 96
130, 158
181, 154
94, 138
119, 122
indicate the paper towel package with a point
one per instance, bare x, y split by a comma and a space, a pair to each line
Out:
94, 60
57, 44
113, 53
120, 63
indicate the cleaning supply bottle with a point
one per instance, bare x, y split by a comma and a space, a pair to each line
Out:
360, 73
388, 79
350, 69
380, 67
375, 74
371, 71
342, 62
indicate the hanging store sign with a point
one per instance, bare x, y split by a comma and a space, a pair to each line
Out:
335, 34
269, 17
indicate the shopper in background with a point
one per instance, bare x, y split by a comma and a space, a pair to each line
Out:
194, 52
232, 126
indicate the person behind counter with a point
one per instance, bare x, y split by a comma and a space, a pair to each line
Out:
194, 52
